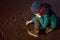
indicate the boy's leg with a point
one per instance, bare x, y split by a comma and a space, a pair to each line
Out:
36, 25
35, 31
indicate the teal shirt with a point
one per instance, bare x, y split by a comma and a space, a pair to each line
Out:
44, 21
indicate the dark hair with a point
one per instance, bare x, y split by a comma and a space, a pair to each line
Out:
47, 8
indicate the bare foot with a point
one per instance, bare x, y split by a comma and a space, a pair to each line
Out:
48, 30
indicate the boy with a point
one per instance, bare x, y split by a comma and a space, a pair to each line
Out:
43, 17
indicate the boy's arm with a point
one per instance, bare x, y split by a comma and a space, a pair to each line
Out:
44, 21
33, 19
53, 21
28, 22
36, 15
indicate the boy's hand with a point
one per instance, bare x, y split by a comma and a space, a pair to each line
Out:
28, 22
38, 15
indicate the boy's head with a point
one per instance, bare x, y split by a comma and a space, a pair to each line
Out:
40, 8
